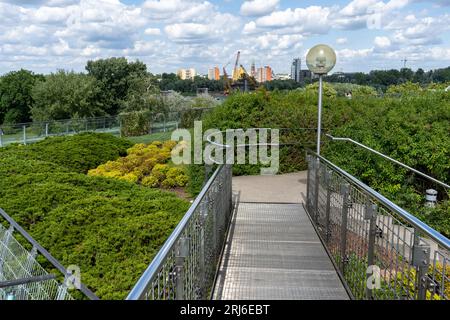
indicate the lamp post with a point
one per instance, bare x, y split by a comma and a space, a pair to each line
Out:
320, 60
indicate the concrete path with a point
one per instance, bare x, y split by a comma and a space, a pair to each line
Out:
286, 188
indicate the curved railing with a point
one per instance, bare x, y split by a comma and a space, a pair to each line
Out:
186, 265
380, 250
22, 277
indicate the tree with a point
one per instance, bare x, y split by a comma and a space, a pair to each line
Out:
115, 75
15, 96
64, 95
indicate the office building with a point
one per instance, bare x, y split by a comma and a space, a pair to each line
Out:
296, 70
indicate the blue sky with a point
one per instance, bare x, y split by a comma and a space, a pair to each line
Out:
44, 35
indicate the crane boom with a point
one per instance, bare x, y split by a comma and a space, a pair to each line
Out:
235, 70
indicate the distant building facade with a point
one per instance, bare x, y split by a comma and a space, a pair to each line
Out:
282, 76
214, 73
296, 70
186, 74
264, 74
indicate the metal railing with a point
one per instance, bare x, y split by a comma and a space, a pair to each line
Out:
442, 184
26, 133
22, 277
380, 250
186, 265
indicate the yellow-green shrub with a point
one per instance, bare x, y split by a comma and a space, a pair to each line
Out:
150, 181
145, 164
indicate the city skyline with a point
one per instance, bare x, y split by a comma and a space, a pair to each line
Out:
170, 34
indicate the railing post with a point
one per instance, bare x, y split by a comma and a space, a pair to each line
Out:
182, 253
345, 192
308, 182
421, 260
328, 177
316, 189
371, 215
24, 135
202, 255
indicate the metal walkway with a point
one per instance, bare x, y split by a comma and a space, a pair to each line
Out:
273, 252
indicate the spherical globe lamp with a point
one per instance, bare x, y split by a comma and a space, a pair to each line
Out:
321, 59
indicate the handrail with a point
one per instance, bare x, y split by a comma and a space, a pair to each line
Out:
45, 253
145, 280
432, 233
388, 158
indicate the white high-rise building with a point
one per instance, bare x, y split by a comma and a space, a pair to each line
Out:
186, 74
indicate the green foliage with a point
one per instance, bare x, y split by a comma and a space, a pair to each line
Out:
404, 128
65, 95
110, 228
356, 90
328, 90
135, 123
170, 81
145, 164
116, 76
78, 153
404, 88
15, 96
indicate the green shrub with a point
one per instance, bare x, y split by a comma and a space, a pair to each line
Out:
78, 153
411, 128
110, 228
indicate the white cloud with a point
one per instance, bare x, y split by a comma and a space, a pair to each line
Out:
258, 7
167, 34
313, 19
152, 31
382, 42
341, 40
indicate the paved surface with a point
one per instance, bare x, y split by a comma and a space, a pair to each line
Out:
273, 252
287, 188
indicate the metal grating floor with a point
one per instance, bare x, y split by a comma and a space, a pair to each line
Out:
273, 252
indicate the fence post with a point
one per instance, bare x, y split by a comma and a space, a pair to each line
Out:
202, 270
182, 253
371, 215
24, 134
1, 140
328, 177
421, 260
308, 182
345, 192
46, 129
316, 189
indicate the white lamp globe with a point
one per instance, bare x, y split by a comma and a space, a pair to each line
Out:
321, 59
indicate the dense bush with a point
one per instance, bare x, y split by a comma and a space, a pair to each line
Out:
110, 228
413, 129
147, 165
78, 153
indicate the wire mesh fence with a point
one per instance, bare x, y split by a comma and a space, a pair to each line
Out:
127, 124
380, 250
185, 266
17, 263
25, 133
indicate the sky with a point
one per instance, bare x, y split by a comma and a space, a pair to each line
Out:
46, 35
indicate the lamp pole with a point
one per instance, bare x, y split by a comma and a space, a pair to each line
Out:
319, 116
320, 60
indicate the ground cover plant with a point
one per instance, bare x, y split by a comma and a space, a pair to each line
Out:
110, 228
